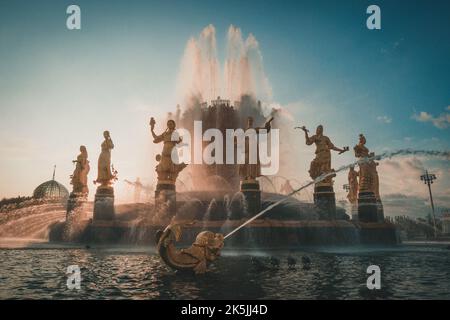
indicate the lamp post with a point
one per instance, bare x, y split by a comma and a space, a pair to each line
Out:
428, 178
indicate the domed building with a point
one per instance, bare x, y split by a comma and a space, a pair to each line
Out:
51, 190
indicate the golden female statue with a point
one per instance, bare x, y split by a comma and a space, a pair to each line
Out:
366, 168
105, 174
166, 169
79, 177
322, 162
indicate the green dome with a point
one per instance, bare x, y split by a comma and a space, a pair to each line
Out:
52, 190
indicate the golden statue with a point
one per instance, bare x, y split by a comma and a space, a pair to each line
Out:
322, 162
368, 176
352, 195
106, 173
79, 178
167, 170
197, 257
250, 171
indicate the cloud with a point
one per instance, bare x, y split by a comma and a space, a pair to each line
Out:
401, 176
384, 119
399, 204
442, 121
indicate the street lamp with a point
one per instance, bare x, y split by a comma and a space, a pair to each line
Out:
428, 178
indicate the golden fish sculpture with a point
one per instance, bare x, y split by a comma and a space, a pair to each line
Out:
196, 258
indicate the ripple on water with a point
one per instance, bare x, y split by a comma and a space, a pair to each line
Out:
408, 272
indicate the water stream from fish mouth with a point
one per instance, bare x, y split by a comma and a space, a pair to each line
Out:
418, 271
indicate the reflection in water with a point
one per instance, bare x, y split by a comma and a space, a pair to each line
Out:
408, 272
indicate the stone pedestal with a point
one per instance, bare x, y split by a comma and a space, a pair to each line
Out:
367, 207
252, 193
325, 201
104, 204
380, 211
166, 199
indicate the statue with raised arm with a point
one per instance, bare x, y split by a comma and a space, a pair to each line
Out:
322, 162
168, 168
106, 174
79, 179
250, 171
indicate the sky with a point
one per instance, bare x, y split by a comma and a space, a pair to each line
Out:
60, 88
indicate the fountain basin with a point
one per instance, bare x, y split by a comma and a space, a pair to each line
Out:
264, 233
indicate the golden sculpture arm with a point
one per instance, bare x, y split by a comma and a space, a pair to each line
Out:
156, 138
341, 151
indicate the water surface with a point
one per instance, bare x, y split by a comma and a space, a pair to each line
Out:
411, 271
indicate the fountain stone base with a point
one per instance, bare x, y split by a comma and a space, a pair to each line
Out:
104, 204
289, 225
265, 233
367, 207
252, 194
166, 199
325, 200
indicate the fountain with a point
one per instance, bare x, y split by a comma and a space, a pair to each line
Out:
226, 197
220, 204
